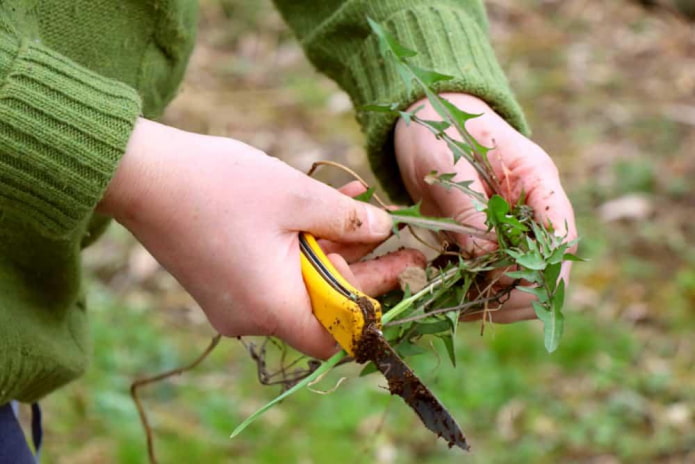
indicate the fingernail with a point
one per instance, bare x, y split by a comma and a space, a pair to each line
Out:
380, 222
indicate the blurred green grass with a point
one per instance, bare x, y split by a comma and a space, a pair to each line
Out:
598, 83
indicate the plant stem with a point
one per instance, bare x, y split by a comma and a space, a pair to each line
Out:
325, 367
406, 302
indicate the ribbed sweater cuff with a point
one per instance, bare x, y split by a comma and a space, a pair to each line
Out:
447, 40
63, 130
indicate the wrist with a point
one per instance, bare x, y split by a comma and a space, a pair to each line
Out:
133, 175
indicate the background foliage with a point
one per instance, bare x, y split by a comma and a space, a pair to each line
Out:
610, 91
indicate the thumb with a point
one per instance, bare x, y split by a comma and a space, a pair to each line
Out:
332, 215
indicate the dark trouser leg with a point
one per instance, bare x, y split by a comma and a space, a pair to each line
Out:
13, 445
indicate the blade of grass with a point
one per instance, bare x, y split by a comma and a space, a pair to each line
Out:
325, 367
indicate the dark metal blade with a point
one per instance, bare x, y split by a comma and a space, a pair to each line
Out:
404, 383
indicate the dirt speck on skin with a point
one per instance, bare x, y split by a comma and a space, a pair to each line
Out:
354, 222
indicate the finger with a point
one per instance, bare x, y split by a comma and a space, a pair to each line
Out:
285, 308
352, 252
536, 176
551, 205
461, 207
328, 214
352, 189
380, 275
303, 331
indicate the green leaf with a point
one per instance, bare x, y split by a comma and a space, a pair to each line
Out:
559, 297
530, 260
365, 196
538, 292
429, 77
448, 342
407, 116
433, 327
459, 150
392, 108
541, 311
389, 42
410, 211
325, 367
573, 257
460, 116
553, 319
527, 274
557, 255
498, 208
405, 76
444, 179
436, 102
412, 216
370, 368
551, 274
406, 349
435, 126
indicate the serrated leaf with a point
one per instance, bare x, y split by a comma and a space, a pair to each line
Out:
406, 116
412, 216
427, 76
435, 126
389, 42
436, 101
459, 150
444, 179
410, 211
365, 196
460, 116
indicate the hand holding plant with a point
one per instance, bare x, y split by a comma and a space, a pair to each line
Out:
526, 174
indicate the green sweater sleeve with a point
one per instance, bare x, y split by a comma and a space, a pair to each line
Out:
63, 130
450, 37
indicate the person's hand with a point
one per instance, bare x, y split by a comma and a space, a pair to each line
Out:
522, 167
223, 218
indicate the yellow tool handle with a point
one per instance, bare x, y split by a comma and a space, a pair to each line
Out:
340, 308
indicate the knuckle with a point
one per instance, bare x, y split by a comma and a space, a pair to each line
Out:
468, 215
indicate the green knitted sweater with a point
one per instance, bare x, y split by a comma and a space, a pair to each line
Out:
75, 75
